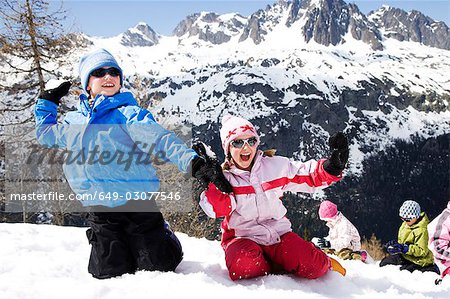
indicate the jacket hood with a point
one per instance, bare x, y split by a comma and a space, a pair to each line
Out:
423, 222
332, 222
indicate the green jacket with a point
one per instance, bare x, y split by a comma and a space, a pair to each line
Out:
416, 236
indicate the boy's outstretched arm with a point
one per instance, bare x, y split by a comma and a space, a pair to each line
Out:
149, 136
144, 130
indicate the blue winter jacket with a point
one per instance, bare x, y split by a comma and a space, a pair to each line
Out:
113, 126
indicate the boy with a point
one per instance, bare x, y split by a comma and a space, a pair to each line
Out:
107, 126
410, 251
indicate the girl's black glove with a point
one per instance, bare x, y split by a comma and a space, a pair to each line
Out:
323, 243
339, 157
54, 95
206, 169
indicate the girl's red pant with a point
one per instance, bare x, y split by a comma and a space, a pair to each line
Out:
246, 259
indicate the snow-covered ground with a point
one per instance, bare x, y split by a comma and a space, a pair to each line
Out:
45, 262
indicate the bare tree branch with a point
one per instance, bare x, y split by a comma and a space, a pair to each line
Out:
26, 121
31, 34
22, 107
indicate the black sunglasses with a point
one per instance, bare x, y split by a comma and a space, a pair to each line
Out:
406, 219
239, 143
112, 71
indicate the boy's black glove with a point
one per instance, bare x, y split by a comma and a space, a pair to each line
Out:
54, 95
339, 157
206, 169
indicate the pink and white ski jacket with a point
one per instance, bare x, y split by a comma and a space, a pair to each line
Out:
343, 234
439, 240
254, 210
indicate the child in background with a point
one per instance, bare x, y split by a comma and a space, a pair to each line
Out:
106, 123
257, 237
343, 238
439, 241
410, 250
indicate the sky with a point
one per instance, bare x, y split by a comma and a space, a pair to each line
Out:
111, 17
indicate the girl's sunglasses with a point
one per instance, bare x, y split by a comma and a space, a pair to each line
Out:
112, 71
406, 219
239, 143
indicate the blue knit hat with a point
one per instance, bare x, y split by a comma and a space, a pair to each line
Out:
94, 60
409, 210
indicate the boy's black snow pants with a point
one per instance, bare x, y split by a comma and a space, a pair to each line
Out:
398, 259
124, 242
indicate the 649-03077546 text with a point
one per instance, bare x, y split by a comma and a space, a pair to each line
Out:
56, 196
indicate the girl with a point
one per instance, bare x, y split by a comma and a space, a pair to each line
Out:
343, 238
257, 236
439, 242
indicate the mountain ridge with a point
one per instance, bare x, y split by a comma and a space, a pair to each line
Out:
327, 22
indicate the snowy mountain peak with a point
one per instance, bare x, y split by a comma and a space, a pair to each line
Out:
327, 22
142, 35
324, 21
411, 26
262, 22
211, 27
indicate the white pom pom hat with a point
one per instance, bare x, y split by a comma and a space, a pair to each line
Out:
232, 128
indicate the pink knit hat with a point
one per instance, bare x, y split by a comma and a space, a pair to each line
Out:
232, 128
327, 210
